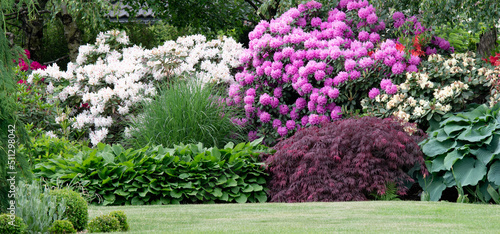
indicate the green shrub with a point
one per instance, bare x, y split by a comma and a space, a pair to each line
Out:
122, 218
157, 175
45, 146
62, 226
464, 151
442, 85
11, 225
185, 112
37, 207
104, 223
76, 207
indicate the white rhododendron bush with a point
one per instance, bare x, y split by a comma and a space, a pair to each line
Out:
103, 88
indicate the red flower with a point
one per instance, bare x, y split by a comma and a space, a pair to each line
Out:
36, 65
27, 52
21, 82
23, 65
400, 47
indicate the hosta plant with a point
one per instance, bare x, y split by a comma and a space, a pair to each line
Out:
158, 175
345, 160
464, 151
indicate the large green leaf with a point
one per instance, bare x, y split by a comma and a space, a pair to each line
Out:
454, 128
434, 186
454, 120
469, 171
494, 194
451, 158
441, 135
494, 173
485, 156
242, 198
477, 133
437, 164
433, 147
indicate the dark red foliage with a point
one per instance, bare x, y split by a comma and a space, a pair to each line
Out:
343, 161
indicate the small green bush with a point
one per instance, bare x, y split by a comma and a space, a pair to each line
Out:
7, 225
186, 112
104, 223
122, 218
76, 207
61, 227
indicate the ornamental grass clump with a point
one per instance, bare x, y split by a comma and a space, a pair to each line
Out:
185, 112
302, 68
346, 160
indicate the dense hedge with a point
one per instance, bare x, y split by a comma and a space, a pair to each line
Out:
158, 175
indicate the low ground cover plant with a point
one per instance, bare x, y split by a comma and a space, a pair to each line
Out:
344, 160
464, 151
157, 175
122, 219
62, 227
104, 223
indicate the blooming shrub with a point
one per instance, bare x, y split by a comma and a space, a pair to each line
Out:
442, 85
109, 79
301, 68
343, 161
30, 65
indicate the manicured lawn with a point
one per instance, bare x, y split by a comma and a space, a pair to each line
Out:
362, 217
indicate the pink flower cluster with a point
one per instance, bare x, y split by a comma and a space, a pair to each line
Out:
34, 65
388, 87
297, 64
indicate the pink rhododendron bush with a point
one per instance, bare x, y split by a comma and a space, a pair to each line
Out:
103, 88
311, 65
303, 66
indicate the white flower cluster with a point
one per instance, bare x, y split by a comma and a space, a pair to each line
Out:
450, 91
108, 79
209, 61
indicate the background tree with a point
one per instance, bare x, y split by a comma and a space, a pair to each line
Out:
472, 16
77, 17
9, 52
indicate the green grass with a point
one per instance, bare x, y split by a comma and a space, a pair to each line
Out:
360, 217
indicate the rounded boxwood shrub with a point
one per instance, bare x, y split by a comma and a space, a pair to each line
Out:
62, 226
344, 160
104, 223
122, 218
76, 207
6, 227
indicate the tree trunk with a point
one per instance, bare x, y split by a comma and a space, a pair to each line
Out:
71, 32
487, 43
33, 29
